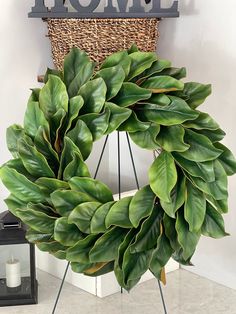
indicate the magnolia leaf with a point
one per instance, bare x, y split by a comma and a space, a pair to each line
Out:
213, 136
141, 205
201, 149
65, 201
172, 138
140, 61
34, 236
65, 233
54, 248
133, 124
18, 165
177, 73
76, 168
194, 207
163, 176
203, 121
94, 188
73, 63
213, 225
113, 78
34, 118
54, 72
35, 163
204, 170
80, 251
94, 95
118, 58
170, 231
220, 205
147, 138
53, 96
117, 116
82, 137
82, 214
157, 67
118, 215
226, 159
130, 94
20, 186
99, 269
57, 122
97, 123
80, 268
14, 203
83, 76
106, 247
75, 104
175, 113
98, 220
49, 185
177, 198
150, 230
162, 84
36, 220
14, 133
187, 239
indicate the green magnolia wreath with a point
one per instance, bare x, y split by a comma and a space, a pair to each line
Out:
73, 216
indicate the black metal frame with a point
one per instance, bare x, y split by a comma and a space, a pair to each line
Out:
119, 193
60, 10
17, 236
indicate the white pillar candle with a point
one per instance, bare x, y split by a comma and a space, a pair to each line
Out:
13, 277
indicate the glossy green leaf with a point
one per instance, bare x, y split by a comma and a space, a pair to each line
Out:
85, 73
118, 58
170, 231
65, 233
147, 138
80, 251
14, 203
175, 113
94, 188
65, 201
106, 247
177, 198
73, 64
75, 104
201, 149
177, 73
203, 121
97, 123
13, 134
194, 207
94, 95
220, 205
163, 176
18, 165
49, 185
157, 67
214, 136
133, 124
38, 221
82, 214
76, 168
141, 205
53, 96
34, 236
204, 170
57, 122
79, 267
54, 72
150, 230
54, 248
99, 217
20, 186
117, 116
130, 94
187, 239
226, 159
113, 78
162, 84
118, 215
34, 118
82, 137
140, 61
213, 225
35, 163
172, 139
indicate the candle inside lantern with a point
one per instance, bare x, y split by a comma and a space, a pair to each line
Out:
13, 277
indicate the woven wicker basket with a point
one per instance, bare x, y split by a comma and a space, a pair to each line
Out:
100, 37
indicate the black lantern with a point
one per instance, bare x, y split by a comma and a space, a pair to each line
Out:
18, 284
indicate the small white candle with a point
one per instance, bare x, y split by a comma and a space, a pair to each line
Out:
13, 277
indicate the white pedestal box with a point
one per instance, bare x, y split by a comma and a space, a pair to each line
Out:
101, 286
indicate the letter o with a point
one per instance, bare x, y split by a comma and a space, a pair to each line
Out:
85, 9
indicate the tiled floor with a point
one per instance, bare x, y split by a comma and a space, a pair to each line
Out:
184, 293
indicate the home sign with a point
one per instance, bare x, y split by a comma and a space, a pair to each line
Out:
77, 9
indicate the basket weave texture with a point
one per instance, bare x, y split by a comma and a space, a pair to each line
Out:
100, 37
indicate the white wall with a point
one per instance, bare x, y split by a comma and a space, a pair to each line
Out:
203, 39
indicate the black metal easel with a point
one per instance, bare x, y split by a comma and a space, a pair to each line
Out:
119, 193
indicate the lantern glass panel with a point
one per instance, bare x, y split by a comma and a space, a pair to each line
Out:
15, 279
